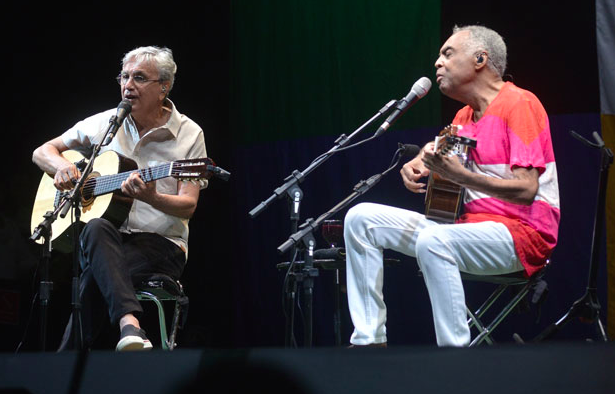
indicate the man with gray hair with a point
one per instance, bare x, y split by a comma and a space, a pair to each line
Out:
154, 237
510, 209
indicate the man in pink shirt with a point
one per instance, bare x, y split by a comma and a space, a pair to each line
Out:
511, 204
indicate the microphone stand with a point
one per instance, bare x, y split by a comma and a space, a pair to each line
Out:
45, 285
304, 238
44, 229
587, 308
295, 195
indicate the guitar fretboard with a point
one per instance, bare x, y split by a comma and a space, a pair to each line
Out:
110, 183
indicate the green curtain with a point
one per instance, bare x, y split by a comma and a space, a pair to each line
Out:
312, 68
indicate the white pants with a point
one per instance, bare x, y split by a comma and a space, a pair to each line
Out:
441, 250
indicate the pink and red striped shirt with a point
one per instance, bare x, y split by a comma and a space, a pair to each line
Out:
514, 132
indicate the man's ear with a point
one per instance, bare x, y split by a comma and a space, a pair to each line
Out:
481, 59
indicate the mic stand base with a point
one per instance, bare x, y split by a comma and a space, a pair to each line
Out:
586, 309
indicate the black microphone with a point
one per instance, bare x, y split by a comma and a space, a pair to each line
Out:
219, 172
408, 151
419, 90
123, 109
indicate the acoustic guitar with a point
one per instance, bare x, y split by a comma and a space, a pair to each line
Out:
101, 195
444, 199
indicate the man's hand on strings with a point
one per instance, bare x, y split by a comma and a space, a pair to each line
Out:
448, 167
66, 176
134, 187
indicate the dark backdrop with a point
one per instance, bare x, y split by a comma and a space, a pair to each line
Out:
63, 64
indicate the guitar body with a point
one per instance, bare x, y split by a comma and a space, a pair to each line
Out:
112, 206
444, 199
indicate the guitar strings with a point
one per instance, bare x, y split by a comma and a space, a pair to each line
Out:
108, 183
111, 182
114, 181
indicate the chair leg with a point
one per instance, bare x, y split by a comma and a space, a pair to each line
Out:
174, 326
503, 313
161, 318
476, 322
474, 319
489, 301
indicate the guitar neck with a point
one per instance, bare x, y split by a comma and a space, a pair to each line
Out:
110, 183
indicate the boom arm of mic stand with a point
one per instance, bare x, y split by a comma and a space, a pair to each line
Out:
311, 225
359, 189
598, 144
298, 177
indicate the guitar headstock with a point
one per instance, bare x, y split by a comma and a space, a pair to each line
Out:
192, 169
448, 140
451, 129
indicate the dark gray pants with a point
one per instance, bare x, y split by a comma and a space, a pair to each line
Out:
110, 262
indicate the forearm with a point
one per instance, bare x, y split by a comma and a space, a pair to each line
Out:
48, 158
521, 189
182, 206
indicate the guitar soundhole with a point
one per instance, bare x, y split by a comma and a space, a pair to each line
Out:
87, 192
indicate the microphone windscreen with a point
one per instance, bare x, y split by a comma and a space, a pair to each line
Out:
409, 151
421, 87
124, 106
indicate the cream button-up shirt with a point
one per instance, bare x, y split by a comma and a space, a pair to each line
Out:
180, 138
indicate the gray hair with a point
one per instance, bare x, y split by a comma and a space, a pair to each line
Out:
161, 57
483, 38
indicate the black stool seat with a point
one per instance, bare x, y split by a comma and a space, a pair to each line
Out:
161, 285
513, 278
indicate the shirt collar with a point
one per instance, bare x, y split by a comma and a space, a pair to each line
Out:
174, 121
172, 125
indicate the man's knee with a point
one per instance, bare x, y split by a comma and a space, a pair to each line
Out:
97, 234
430, 240
95, 228
358, 215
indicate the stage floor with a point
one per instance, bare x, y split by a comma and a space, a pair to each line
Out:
545, 368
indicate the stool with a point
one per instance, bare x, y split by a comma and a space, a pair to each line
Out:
504, 282
158, 288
